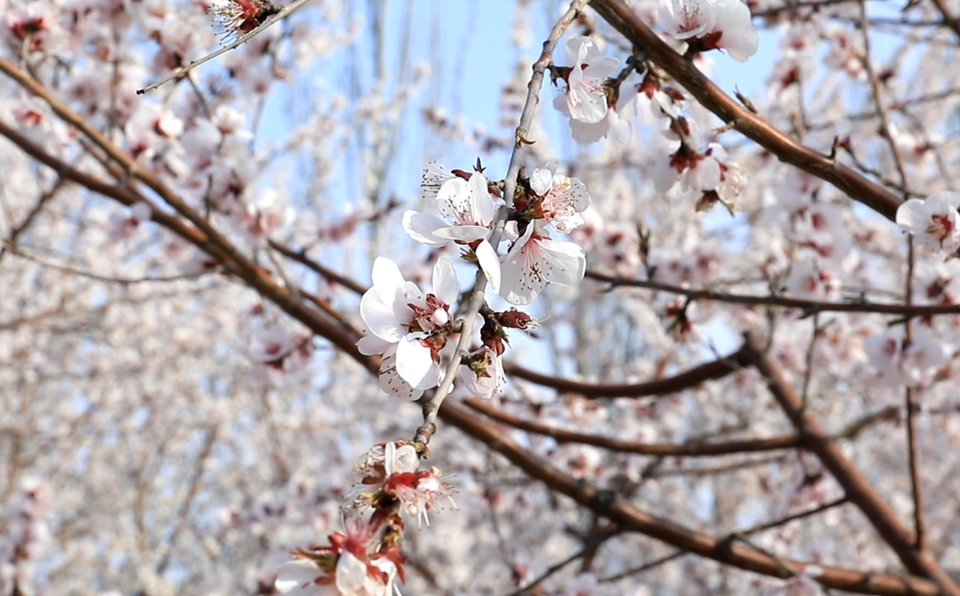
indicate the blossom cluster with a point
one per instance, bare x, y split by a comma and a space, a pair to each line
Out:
410, 328
365, 559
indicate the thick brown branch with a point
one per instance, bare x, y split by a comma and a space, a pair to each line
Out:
787, 149
632, 519
695, 376
856, 486
256, 277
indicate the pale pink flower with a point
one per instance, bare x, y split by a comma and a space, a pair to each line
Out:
393, 470
811, 281
687, 19
737, 34
586, 95
897, 361
484, 376
721, 24
407, 326
122, 226
934, 222
586, 101
535, 260
559, 199
279, 354
470, 210
258, 219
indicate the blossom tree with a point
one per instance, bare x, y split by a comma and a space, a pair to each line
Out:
644, 331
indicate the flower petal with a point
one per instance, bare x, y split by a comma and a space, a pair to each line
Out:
415, 364
422, 227
489, 264
446, 287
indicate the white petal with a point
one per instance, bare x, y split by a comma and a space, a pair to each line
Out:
944, 200
422, 227
386, 273
405, 459
479, 196
391, 382
562, 263
369, 345
586, 106
294, 574
462, 233
378, 313
453, 202
541, 181
602, 67
585, 133
489, 264
445, 284
351, 574
704, 176
415, 364
912, 216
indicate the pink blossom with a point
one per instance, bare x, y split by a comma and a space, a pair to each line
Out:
934, 222
344, 568
407, 325
279, 354
483, 376
809, 280
720, 24
559, 199
898, 361
586, 95
470, 209
122, 226
392, 470
586, 100
535, 260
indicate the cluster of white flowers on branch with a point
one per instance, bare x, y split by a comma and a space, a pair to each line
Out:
365, 559
171, 288
410, 328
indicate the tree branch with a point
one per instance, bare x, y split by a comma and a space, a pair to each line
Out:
657, 449
787, 149
709, 371
857, 487
808, 306
629, 518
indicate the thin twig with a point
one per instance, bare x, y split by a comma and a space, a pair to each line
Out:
282, 14
431, 403
692, 449
910, 393
590, 546
808, 306
631, 519
20, 252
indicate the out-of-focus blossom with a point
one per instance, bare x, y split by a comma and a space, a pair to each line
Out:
934, 222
